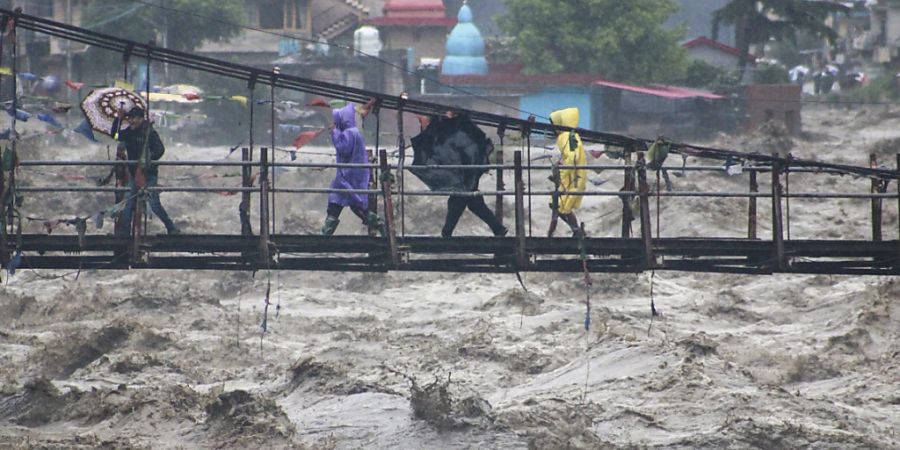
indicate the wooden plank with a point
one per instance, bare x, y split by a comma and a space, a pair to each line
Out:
777, 230
389, 225
751, 213
521, 255
264, 206
244, 208
876, 202
646, 225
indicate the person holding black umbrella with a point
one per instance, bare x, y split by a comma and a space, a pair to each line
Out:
452, 139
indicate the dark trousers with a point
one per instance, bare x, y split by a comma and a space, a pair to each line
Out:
457, 204
334, 210
155, 206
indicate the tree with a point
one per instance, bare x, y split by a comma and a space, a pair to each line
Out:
771, 74
620, 40
758, 21
702, 74
179, 24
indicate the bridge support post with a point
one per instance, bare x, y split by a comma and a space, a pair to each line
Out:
401, 165
244, 208
264, 206
646, 226
7, 195
876, 202
627, 215
4, 237
137, 226
389, 225
751, 213
498, 202
521, 256
121, 181
777, 229
373, 184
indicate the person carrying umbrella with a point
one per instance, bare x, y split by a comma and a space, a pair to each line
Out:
452, 139
568, 180
138, 138
350, 148
456, 204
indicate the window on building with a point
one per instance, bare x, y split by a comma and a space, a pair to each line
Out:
283, 14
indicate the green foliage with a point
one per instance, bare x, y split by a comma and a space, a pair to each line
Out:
501, 49
758, 21
771, 74
702, 74
881, 89
620, 40
788, 53
181, 24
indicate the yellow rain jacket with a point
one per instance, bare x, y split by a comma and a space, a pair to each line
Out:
571, 180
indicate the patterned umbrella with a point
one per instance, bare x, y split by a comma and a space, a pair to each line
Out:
101, 105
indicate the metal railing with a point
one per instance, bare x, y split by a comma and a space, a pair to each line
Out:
384, 190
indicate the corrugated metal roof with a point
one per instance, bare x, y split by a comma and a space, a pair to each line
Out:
671, 92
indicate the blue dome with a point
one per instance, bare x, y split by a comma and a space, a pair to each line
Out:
465, 47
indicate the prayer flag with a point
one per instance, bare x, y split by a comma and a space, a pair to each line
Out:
74, 85
49, 119
240, 99
366, 109
305, 137
28, 76
290, 128
14, 263
318, 102
19, 114
124, 85
97, 219
5, 71
85, 130
61, 108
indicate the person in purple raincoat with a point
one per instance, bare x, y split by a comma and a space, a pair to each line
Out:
351, 149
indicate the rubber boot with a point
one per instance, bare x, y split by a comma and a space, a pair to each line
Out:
572, 222
375, 225
331, 224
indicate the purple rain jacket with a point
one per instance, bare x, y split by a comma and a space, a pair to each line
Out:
350, 148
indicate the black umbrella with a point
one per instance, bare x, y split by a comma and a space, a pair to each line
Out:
450, 141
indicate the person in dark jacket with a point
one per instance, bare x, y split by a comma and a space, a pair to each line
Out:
456, 204
137, 138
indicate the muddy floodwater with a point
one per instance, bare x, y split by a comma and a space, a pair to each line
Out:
178, 359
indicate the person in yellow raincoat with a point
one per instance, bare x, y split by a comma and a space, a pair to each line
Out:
570, 180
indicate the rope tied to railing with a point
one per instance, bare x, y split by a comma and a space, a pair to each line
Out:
387, 176
588, 284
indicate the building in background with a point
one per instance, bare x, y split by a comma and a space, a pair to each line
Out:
715, 53
294, 27
414, 33
465, 82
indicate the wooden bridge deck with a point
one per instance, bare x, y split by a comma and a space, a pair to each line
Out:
459, 254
